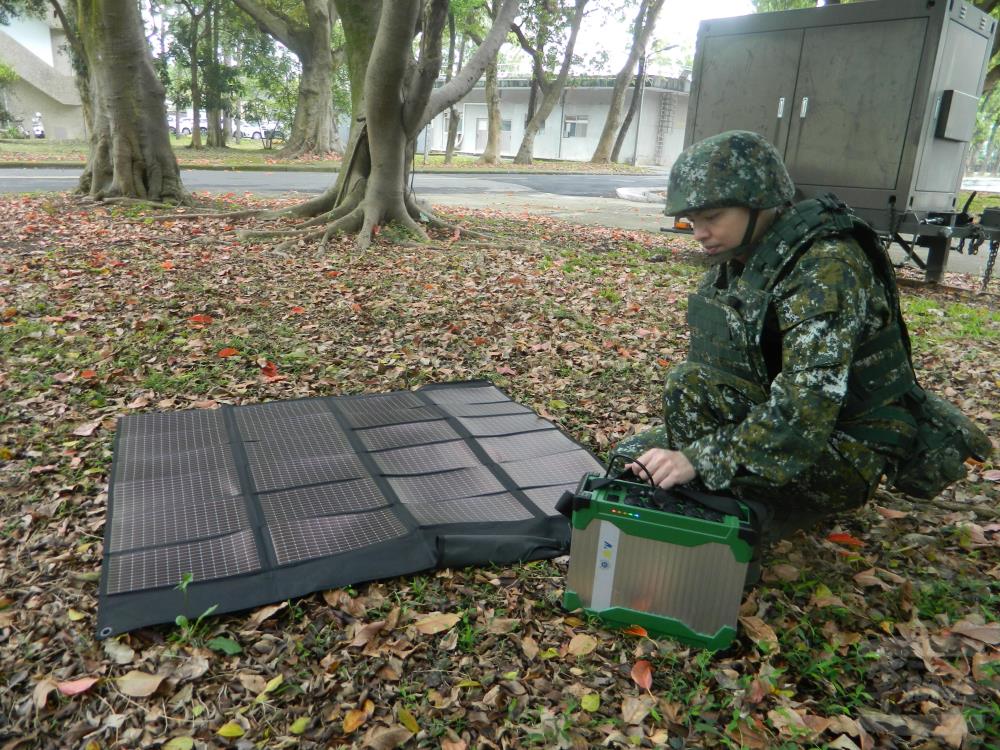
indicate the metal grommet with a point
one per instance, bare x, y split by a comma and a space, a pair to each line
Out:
105, 632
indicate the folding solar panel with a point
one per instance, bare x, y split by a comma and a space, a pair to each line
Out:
246, 505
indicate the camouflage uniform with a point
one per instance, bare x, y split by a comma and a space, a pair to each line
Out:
773, 427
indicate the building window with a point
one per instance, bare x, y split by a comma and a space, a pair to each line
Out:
575, 126
505, 126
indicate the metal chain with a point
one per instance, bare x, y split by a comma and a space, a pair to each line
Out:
994, 246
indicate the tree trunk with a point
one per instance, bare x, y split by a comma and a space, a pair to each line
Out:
645, 20
130, 154
313, 128
195, 88
392, 99
552, 91
216, 128
491, 154
640, 84
453, 117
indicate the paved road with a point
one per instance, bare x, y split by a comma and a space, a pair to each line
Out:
577, 198
281, 183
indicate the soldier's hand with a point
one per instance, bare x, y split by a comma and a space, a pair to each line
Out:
667, 467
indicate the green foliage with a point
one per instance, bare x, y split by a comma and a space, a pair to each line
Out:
7, 74
21, 9
770, 6
189, 632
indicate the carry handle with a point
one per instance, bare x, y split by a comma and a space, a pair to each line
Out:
628, 459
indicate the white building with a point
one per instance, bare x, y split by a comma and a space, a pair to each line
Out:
34, 48
655, 136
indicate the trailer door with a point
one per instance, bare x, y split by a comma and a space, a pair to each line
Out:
852, 103
746, 82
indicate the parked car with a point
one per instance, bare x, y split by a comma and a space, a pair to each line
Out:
187, 124
259, 130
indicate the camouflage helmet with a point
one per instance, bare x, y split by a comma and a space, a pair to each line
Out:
735, 168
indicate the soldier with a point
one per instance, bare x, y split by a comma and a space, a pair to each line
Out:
791, 397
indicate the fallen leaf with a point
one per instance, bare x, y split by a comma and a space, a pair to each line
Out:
387, 738
270, 687
407, 720
180, 743
230, 730
529, 646
590, 702
788, 721
228, 352
265, 612
136, 684
40, 695
845, 539
87, 429
760, 632
200, 318
890, 513
118, 652
952, 729
636, 630
642, 674
582, 644
270, 371
636, 708
75, 687
437, 622
993, 475
299, 725
986, 633
785, 572
364, 633
868, 578
354, 719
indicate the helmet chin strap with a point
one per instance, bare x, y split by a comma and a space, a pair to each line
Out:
744, 248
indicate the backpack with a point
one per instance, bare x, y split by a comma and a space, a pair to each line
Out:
945, 439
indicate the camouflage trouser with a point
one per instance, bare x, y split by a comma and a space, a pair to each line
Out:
698, 400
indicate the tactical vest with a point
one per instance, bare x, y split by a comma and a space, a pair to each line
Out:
727, 325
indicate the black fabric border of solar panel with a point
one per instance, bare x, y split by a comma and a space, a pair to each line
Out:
102, 587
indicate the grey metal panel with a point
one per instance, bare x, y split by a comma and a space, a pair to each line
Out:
942, 161
849, 120
700, 586
744, 85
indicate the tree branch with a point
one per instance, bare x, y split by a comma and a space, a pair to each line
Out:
472, 71
72, 37
428, 67
538, 69
274, 24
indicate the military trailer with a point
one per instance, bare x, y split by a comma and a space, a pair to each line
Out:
874, 101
